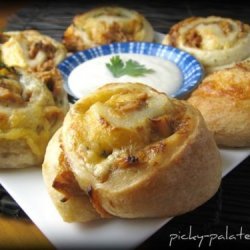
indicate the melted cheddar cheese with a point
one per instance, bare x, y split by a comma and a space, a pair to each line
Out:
28, 111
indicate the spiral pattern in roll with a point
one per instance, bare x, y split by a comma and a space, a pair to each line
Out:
106, 25
129, 151
216, 42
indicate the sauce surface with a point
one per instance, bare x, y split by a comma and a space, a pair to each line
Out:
88, 76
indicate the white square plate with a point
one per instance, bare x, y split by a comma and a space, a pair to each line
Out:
27, 188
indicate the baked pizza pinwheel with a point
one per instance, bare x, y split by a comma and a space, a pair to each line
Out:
31, 110
216, 42
106, 25
129, 151
223, 98
29, 49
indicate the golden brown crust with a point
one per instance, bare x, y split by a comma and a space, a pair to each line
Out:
224, 100
30, 113
135, 153
216, 42
73, 204
106, 25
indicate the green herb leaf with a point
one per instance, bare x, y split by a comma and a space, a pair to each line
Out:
119, 68
116, 66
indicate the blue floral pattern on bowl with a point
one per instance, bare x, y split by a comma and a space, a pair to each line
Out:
192, 70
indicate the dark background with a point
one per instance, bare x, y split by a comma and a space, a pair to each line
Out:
230, 207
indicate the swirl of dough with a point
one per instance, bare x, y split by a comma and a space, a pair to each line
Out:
30, 113
216, 42
129, 151
224, 101
30, 49
106, 25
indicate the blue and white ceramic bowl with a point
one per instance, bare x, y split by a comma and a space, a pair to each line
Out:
191, 69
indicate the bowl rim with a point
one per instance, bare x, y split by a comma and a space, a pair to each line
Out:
69, 63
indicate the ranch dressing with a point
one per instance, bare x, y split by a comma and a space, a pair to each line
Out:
88, 76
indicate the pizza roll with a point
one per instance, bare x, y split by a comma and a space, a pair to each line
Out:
216, 42
31, 110
129, 151
224, 101
106, 25
31, 50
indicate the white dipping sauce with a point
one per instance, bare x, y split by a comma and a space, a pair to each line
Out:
90, 75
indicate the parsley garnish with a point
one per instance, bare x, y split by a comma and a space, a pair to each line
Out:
120, 68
